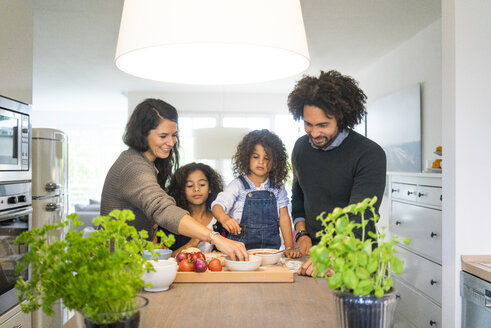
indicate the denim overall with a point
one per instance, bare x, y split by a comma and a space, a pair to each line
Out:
259, 223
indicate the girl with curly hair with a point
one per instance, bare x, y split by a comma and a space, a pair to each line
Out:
194, 187
253, 207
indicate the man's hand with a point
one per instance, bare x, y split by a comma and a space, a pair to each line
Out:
232, 226
307, 268
305, 244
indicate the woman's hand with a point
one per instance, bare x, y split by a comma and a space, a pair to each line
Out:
236, 250
305, 244
232, 226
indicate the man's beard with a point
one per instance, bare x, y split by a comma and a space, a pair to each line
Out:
325, 141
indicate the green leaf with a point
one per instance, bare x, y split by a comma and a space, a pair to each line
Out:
335, 280
396, 265
362, 258
379, 292
364, 287
372, 264
350, 279
362, 273
407, 241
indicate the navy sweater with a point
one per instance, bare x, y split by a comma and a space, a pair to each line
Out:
324, 180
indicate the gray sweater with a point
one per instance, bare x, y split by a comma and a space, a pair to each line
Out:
131, 183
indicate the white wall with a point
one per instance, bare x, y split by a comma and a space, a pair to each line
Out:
466, 133
418, 60
216, 102
16, 50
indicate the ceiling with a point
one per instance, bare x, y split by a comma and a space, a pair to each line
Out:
75, 43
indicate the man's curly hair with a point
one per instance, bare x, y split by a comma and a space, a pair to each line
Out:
274, 148
337, 95
177, 186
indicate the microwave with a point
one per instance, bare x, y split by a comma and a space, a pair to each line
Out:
15, 141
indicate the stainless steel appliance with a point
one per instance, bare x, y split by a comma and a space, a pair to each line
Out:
49, 196
15, 218
15, 141
476, 302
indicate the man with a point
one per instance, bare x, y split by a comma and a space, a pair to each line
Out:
333, 166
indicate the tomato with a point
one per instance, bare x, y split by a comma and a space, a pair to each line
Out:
215, 265
186, 266
197, 255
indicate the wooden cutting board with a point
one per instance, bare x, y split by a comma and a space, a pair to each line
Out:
273, 273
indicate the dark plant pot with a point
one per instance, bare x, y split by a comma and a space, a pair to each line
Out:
131, 322
124, 319
364, 311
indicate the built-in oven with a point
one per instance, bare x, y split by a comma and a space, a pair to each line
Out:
15, 218
15, 141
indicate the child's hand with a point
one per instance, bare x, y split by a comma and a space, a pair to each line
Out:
232, 226
293, 254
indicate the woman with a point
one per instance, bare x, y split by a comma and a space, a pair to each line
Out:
135, 179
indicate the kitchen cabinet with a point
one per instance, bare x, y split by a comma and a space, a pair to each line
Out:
15, 318
416, 213
16, 50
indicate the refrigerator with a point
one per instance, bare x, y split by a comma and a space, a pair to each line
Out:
49, 198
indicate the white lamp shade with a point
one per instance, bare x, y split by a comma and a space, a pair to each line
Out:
217, 143
212, 42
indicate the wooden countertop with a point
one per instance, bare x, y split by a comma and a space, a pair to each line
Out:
471, 264
298, 304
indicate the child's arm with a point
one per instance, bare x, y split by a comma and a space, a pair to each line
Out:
227, 222
286, 231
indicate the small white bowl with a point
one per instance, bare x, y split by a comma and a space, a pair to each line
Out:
268, 256
251, 265
163, 254
163, 276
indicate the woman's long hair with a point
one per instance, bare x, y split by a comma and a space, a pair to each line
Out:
146, 117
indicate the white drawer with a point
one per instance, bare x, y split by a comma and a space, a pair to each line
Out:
20, 320
421, 311
404, 191
402, 322
423, 225
429, 195
423, 274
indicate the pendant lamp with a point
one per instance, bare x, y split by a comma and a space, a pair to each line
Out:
212, 42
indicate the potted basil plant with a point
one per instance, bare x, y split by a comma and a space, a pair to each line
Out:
99, 275
358, 270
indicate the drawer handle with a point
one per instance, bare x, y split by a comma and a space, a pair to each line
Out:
433, 282
421, 194
398, 296
409, 193
432, 323
51, 186
441, 197
398, 222
51, 207
395, 190
433, 235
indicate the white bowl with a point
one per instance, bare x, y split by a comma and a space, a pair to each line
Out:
268, 256
251, 265
163, 276
163, 254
